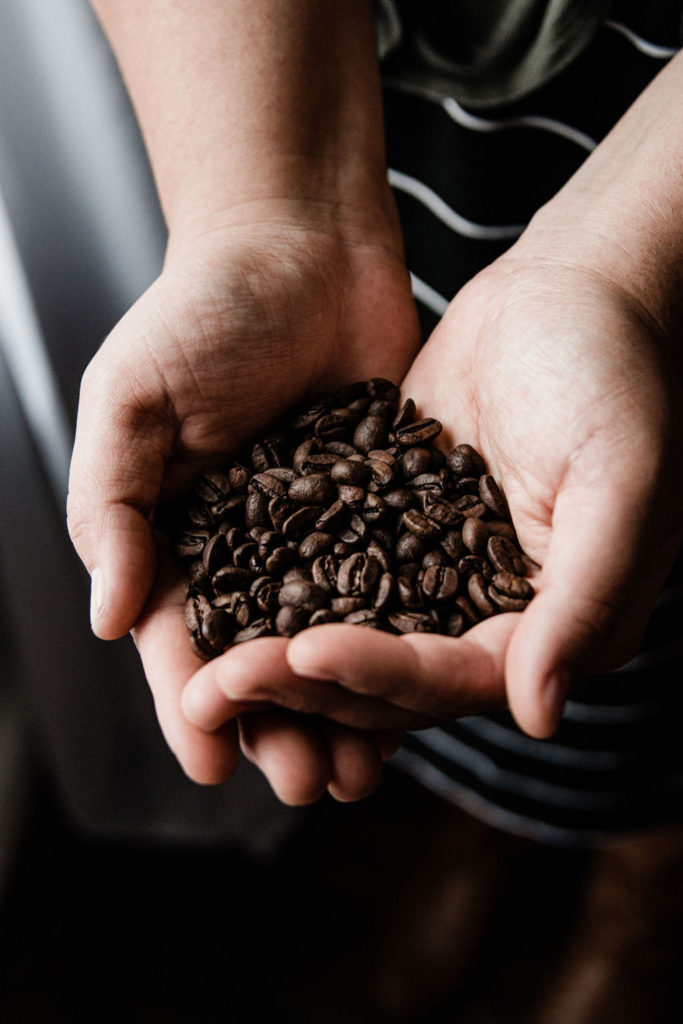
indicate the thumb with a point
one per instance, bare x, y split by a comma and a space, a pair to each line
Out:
612, 544
116, 472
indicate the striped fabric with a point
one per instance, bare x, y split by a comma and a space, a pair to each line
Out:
616, 763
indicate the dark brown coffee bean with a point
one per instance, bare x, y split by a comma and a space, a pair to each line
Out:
231, 577
434, 557
201, 648
373, 509
301, 521
256, 510
321, 463
348, 393
452, 544
291, 620
237, 604
410, 570
343, 606
238, 478
466, 461
399, 499
501, 528
297, 572
242, 555
380, 407
315, 544
420, 525
307, 417
470, 505
404, 416
311, 446
332, 518
407, 592
267, 596
477, 589
255, 629
475, 534
217, 628
363, 617
191, 544
324, 571
265, 454
468, 609
440, 583
415, 462
357, 574
490, 494
212, 486
380, 387
383, 455
409, 548
353, 473
412, 622
278, 561
418, 433
385, 592
269, 485
322, 617
375, 551
216, 553
383, 537
510, 592
268, 540
279, 509
342, 549
334, 426
341, 449
504, 556
370, 433
303, 594
469, 564
455, 624
464, 485
441, 512
427, 483
353, 497
315, 489
382, 474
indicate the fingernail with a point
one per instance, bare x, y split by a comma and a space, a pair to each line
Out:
97, 597
555, 695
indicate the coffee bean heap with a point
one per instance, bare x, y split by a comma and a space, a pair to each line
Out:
346, 512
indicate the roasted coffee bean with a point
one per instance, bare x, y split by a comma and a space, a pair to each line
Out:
216, 553
455, 624
419, 432
231, 577
264, 455
217, 628
382, 474
380, 407
357, 575
404, 416
348, 393
380, 387
311, 446
342, 549
255, 629
452, 544
475, 534
343, 606
441, 512
409, 548
279, 560
464, 460
324, 572
421, 525
363, 617
504, 556
407, 591
410, 570
468, 609
315, 489
500, 528
291, 620
440, 583
301, 521
370, 433
373, 550
279, 509
242, 555
465, 485
469, 564
321, 463
399, 499
383, 455
332, 518
268, 540
415, 461
256, 510
315, 544
345, 471
334, 426
322, 617
212, 486
413, 622
470, 505
434, 557
510, 592
373, 509
427, 483
307, 417
477, 589
297, 572
267, 484
303, 594
238, 477
353, 497
341, 449
237, 604
267, 595
191, 543
491, 495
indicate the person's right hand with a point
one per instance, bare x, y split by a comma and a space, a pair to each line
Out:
245, 321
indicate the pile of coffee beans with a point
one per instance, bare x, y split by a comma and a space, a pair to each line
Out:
346, 512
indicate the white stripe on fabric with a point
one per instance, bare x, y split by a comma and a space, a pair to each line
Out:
437, 781
552, 753
428, 296
461, 225
491, 774
23, 346
545, 124
649, 49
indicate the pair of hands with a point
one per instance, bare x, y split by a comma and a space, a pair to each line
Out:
554, 372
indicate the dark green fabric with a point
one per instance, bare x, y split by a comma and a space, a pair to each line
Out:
483, 52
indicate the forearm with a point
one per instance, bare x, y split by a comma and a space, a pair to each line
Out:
622, 212
241, 101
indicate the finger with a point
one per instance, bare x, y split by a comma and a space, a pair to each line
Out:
116, 472
436, 676
291, 753
599, 582
355, 760
161, 639
259, 672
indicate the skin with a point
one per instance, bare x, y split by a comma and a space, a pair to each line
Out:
564, 352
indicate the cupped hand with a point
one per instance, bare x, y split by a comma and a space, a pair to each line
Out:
566, 385
245, 321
